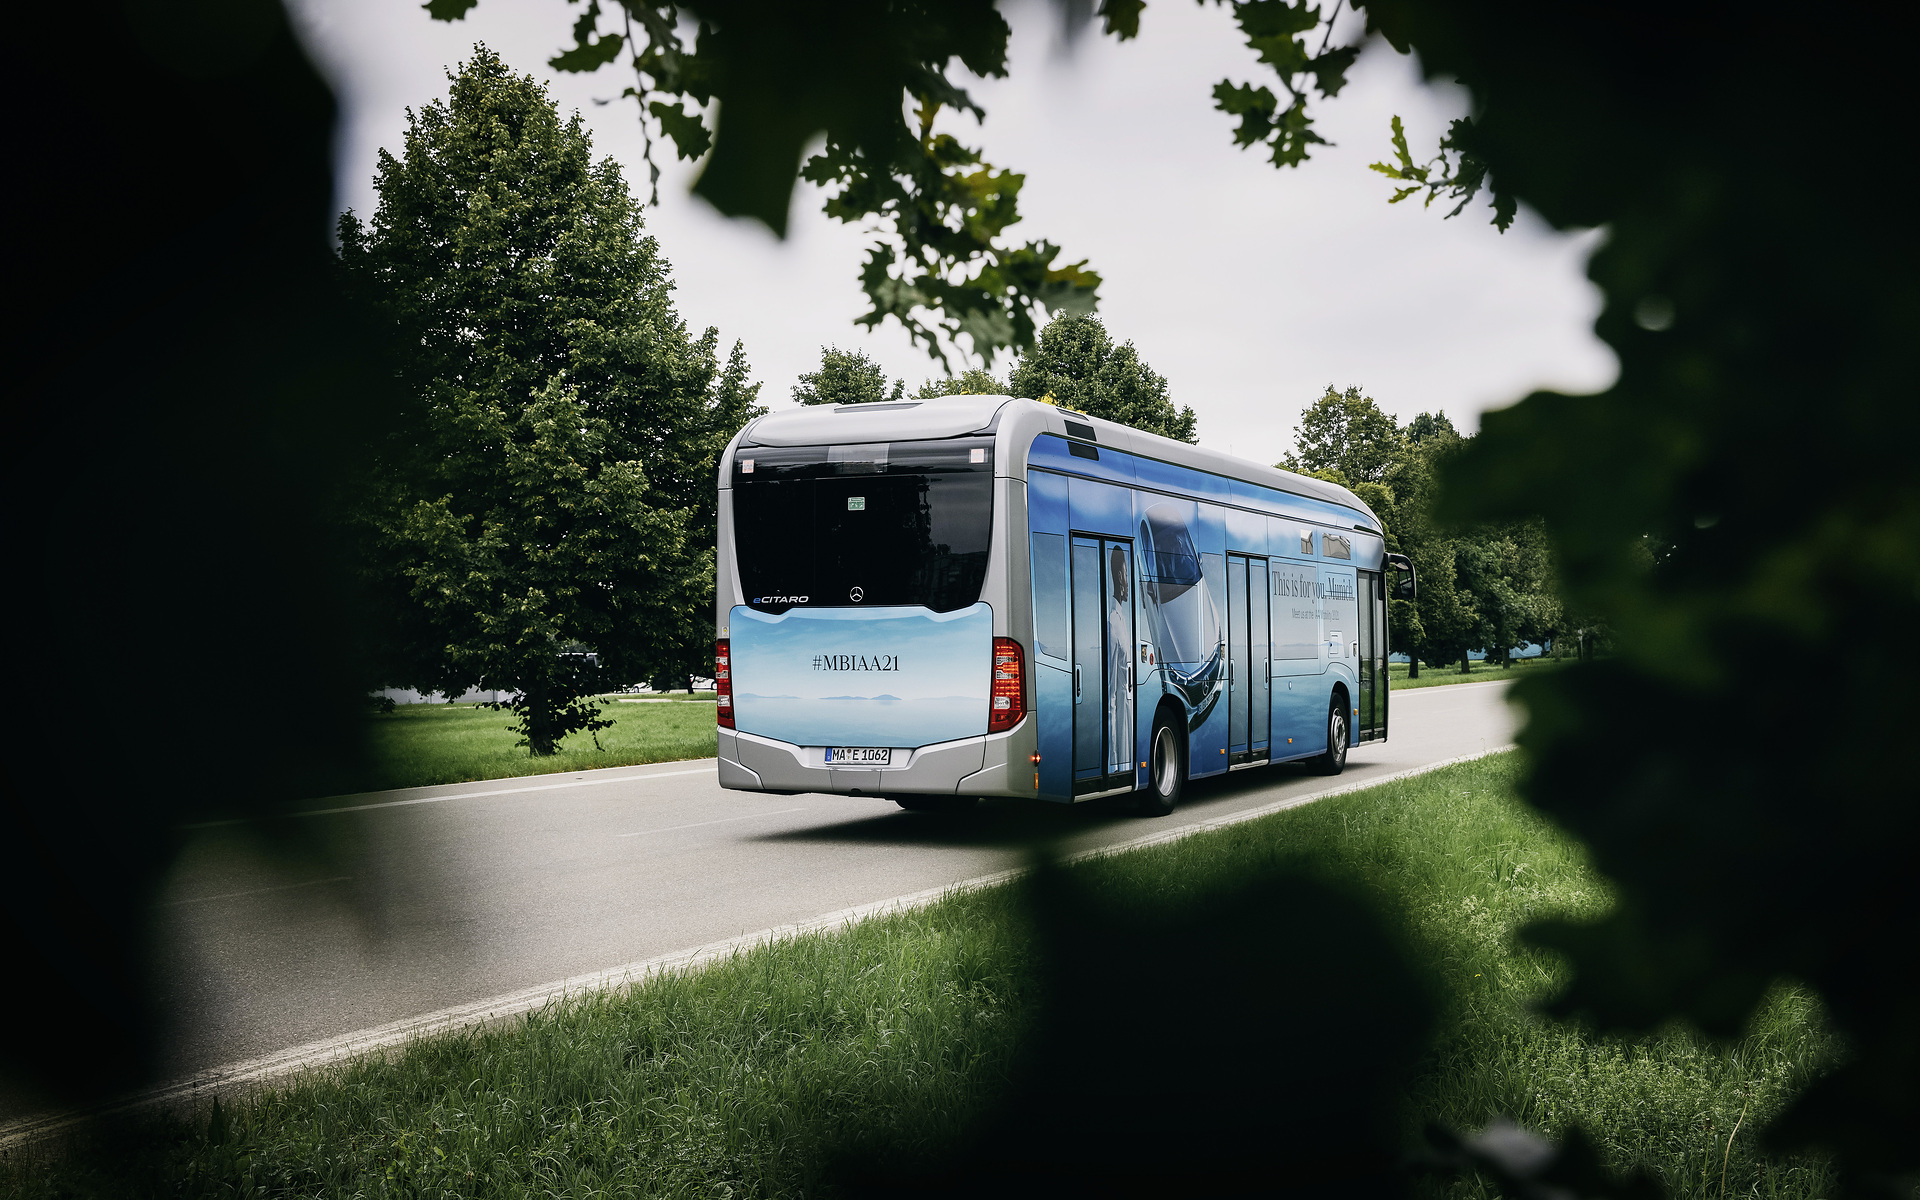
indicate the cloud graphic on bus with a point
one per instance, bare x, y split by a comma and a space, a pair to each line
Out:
1182, 615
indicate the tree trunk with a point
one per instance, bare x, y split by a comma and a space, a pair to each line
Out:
1466, 664
1413, 666
539, 723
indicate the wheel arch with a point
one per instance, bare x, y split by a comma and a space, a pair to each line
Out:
1175, 713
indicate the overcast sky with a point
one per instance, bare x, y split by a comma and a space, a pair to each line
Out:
1249, 288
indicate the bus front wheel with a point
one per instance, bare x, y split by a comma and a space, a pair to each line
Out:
1166, 766
1335, 759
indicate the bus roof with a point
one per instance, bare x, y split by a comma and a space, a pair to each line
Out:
1020, 421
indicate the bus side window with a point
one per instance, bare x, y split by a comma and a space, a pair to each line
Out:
1050, 595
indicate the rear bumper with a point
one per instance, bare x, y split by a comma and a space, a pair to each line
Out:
976, 766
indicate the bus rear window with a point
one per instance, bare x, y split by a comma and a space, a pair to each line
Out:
843, 526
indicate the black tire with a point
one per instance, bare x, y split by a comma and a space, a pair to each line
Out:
1166, 767
1339, 738
936, 804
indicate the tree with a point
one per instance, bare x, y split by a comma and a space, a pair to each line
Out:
1430, 425
1344, 437
1507, 571
1348, 433
537, 524
1439, 621
689, 640
1077, 365
846, 377
974, 382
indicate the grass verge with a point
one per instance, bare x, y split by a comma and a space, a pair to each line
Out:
750, 1077
1442, 674
420, 744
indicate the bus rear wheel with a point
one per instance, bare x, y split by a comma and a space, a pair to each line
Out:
1166, 767
1335, 759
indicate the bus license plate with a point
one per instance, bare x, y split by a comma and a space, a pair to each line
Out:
871, 756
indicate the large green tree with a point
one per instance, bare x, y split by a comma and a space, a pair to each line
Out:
846, 377
1077, 364
539, 523
1346, 432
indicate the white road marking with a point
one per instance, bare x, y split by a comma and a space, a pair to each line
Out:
398, 1033
542, 787
285, 887
721, 821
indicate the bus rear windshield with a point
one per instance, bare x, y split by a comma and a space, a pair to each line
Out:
844, 526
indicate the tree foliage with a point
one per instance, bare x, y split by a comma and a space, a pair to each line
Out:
187, 393
538, 524
1484, 587
974, 382
1454, 172
1346, 432
942, 264
1442, 622
740, 83
846, 377
1076, 364
1726, 528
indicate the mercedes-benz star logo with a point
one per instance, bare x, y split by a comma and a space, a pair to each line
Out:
858, 594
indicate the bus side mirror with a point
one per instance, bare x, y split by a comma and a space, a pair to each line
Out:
1406, 585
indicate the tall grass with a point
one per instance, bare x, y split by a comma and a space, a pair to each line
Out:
753, 1077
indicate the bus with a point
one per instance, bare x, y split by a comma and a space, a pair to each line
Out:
933, 601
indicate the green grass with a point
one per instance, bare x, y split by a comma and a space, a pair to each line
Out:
1441, 674
418, 744
748, 1078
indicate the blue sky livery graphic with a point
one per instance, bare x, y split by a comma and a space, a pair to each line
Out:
862, 677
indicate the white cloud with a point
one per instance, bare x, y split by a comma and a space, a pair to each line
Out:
1250, 288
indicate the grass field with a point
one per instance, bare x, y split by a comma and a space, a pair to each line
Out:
749, 1078
1441, 674
419, 744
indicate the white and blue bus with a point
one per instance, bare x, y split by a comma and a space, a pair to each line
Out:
938, 600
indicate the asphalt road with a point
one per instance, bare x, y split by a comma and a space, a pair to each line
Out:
412, 901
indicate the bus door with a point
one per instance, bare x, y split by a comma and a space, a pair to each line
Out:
1249, 662
1103, 641
1370, 723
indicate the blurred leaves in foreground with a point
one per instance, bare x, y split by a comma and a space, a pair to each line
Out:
190, 397
1742, 500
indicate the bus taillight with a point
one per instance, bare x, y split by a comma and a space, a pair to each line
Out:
723, 683
1009, 686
